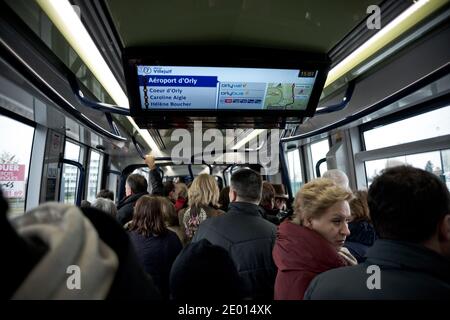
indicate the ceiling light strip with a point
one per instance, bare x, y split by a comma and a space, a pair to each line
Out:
405, 21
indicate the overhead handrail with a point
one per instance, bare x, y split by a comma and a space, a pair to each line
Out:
31, 75
340, 106
138, 147
105, 107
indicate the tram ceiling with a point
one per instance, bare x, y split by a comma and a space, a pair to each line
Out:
326, 28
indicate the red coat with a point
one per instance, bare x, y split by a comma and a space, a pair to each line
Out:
300, 254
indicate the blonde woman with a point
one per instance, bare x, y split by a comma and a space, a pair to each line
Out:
312, 242
203, 198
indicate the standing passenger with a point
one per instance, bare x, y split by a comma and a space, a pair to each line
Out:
267, 203
281, 197
246, 235
135, 187
312, 242
224, 199
338, 176
181, 195
410, 210
362, 234
105, 193
156, 246
105, 205
203, 196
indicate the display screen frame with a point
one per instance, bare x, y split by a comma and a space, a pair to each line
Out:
227, 57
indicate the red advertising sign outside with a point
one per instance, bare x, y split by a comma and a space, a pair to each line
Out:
12, 172
12, 180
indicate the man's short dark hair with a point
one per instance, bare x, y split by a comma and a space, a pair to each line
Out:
247, 184
407, 204
137, 183
105, 193
168, 187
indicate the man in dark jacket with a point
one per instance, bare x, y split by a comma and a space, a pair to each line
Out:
246, 235
410, 210
135, 187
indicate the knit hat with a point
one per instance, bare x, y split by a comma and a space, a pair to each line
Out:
204, 272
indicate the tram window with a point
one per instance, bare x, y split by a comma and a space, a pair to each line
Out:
427, 125
71, 174
94, 178
14, 162
113, 184
295, 170
69, 184
72, 151
437, 162
319, 151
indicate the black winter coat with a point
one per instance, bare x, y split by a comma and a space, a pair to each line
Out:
126, 206
406, 271
362, 236
130, 282
157, 254
249, 239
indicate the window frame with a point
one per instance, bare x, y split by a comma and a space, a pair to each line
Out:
23, 120
416, 110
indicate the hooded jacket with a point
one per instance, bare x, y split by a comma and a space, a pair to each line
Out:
362, 236
68, 248
300, 254
73, 250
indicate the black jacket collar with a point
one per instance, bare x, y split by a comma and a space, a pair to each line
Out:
408, 256
243, 208
130, 199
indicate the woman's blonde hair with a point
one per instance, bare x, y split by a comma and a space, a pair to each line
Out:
181, 190
203, 191
317, 196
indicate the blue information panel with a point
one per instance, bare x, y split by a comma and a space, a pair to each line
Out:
210, 88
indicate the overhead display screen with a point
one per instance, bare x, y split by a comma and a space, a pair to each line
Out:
223, 88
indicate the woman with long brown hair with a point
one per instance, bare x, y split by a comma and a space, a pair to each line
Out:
156, 246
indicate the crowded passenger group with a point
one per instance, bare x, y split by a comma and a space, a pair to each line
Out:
247, 241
